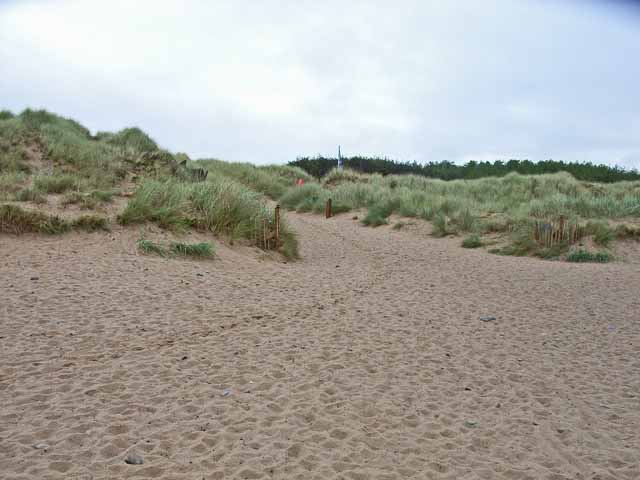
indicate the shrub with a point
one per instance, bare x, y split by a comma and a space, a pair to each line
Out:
472, 241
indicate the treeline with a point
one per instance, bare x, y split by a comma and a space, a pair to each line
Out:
320, 166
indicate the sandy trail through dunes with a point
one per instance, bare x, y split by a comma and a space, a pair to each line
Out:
364, 360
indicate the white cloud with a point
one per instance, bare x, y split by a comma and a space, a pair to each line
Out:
267, 81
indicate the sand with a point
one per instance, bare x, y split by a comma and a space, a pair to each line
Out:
366, 359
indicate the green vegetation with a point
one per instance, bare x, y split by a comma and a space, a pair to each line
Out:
472, 241
30, 195
196, 250
379, 212
43, 154
219, 205
193, 250
272, 180
55, 183
322, 166
16, 220
541, 215
583, 256
91, 223
602, 234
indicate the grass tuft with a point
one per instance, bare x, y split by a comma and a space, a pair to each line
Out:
583, 256
180, 249
91, 223
16, 220
196, 250
149, 247
472, 241
55, 183
31, 195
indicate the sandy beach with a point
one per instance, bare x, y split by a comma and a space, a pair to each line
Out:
367, 359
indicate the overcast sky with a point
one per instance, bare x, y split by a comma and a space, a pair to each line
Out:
267, 81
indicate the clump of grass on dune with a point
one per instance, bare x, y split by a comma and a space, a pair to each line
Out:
306, 198
219, 205
583, 256
379, 213
472, 241
30, 195
88, 201
150, 247
270, 181
344, 175
91, 223
180, 249
10, 184
195, 250
602, 234
16, 220
55, 183
130, 138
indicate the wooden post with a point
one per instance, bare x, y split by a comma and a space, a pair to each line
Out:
327, 209
277, 224
264, 234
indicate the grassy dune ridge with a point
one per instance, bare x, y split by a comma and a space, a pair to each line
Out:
43, 155
512, 206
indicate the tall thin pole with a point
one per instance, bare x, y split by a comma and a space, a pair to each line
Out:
339, 158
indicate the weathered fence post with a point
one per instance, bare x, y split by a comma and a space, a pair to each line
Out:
327, 209
277, 224
265, 245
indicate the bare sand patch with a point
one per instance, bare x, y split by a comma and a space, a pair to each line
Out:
366, 359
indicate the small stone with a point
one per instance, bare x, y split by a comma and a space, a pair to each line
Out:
41, 446
487, 318
133, 459
35, 278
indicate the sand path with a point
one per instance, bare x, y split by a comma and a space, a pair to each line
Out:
364, 360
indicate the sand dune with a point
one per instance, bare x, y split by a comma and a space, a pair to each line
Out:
366, 359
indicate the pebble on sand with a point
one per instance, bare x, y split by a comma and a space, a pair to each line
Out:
133, 459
